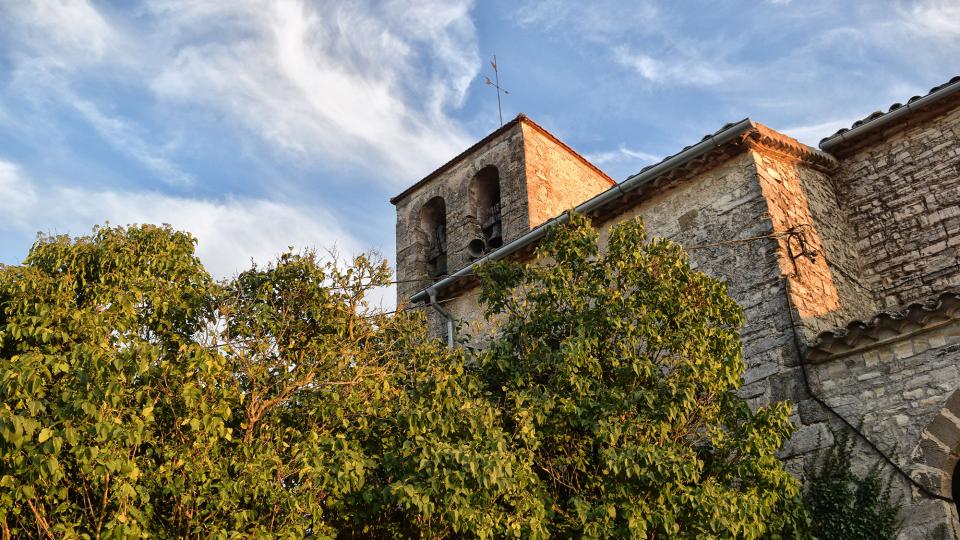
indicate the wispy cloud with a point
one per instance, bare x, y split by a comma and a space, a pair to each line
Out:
346, 83
687, 69
355, 85
811, 134
67, 34
601, 21
620, 155
934, 19
123, 136
17, 195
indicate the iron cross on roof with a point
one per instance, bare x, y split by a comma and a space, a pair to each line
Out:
496, 84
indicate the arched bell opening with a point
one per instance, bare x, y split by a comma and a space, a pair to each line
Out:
432, 237
485, 212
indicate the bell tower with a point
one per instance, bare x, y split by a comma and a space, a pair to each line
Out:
492, 193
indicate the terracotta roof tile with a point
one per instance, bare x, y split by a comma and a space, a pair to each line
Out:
886, 325
685, 148
879, 114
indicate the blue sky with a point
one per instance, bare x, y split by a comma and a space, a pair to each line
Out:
259, 125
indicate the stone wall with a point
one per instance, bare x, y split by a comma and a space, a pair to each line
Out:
721, 206
896, 388
557, 178
822, 265
869, 232
724, 218
838, 252
902, 196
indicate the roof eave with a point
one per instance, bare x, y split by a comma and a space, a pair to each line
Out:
942, 93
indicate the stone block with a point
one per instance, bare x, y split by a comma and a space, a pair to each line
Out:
812, 412
807, 439
787, 386
945, 430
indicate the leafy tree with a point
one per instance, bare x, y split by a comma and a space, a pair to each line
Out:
139, 398
616, 371
845, 505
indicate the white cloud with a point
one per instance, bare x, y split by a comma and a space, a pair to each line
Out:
230, 232
367, 86
17, 195
936, 19
349, 84
68, 33
811, 134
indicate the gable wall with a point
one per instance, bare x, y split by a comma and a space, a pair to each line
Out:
557, 180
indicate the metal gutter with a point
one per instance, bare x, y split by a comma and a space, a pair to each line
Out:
881, 121
645, 176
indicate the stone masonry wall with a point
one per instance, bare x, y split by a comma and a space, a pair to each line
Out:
539, 178
557, 179
838, 252
816, 253
709, 214
722, 205
725, 216
896, 388
902, 196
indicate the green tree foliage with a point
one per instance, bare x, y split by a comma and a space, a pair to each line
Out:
844, 505
141, 398
617, 372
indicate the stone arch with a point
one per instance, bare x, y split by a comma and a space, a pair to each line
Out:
432, 237
485, 210
938, 453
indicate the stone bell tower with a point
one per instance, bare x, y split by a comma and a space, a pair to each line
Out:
495, 191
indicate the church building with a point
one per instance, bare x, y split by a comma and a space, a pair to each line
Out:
844, 258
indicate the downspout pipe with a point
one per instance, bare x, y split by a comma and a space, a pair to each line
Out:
432, 292
616, 192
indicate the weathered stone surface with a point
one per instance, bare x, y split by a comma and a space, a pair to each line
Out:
904, 411
902, 198
812, 412
807, 439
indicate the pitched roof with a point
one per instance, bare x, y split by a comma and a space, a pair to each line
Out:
881, 118
886, 326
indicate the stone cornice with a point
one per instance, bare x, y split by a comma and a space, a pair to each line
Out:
764, 138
